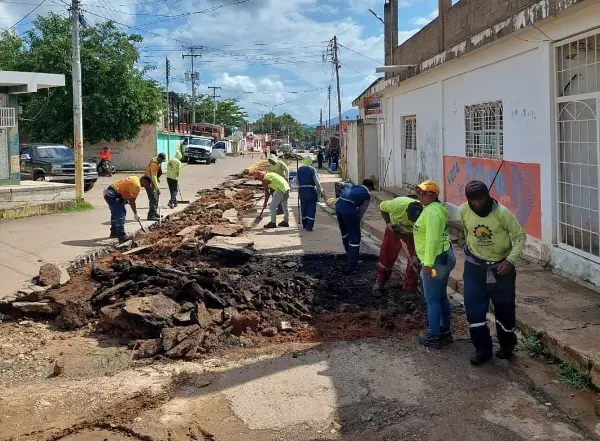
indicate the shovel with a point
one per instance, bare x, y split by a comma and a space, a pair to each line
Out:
181, 197
142, 226
258, 218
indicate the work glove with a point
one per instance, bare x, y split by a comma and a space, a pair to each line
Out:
136, 217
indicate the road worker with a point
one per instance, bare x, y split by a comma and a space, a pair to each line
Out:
154, 170
280, 188
309, 189
400, 215
124, 191
433, 248
173, 170
281, 168
349, 209
494, 241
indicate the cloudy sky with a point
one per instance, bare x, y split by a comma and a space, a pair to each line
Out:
259, 51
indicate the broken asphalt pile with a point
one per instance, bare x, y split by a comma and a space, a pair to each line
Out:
195, 284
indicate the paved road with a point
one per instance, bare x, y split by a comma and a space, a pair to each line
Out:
27, 243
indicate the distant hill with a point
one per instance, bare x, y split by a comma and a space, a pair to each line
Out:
351, 114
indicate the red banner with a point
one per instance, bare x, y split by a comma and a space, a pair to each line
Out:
517, 186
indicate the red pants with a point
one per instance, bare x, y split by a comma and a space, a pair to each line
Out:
390, 249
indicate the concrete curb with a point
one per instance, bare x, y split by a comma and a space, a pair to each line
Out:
22, 211
558, 349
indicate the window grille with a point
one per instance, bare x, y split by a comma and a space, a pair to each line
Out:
484, 137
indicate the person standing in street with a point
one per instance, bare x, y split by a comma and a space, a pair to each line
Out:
349, 210
494, 241
124, 191
280, 188
281, 168
433, 248
309, 189
173, 170
320, 158
154, 170
400, 215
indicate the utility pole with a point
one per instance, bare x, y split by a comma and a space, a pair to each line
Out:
339, 95
168, 74
193, 54
77, 102
215, 96
329, 117
321, 125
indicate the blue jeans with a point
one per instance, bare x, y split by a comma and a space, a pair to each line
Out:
116, 204
435, 292
349, 223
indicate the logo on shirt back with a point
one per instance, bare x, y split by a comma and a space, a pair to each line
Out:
483, 234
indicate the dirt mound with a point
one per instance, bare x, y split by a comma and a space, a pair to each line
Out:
194, 285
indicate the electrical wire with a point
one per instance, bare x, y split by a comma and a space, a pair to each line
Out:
27, 15
360, 73
188, 14
362, 55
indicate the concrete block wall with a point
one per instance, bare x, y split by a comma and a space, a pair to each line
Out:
421, 46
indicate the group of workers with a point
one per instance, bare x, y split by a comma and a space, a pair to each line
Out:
125, 191
494, 240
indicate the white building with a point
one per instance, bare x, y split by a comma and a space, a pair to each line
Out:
521, 95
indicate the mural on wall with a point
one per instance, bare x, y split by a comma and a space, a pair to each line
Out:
517, 186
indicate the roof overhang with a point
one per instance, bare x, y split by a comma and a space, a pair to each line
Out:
29, 82
394, 69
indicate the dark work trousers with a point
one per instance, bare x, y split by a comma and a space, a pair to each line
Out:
153, 201
477, 294
116, 204
173, 187
349, 223
308, 206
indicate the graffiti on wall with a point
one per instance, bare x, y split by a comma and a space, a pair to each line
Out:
517, 186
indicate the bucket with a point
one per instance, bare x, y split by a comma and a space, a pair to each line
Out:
333, 168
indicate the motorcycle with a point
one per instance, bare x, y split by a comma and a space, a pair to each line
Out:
105, 168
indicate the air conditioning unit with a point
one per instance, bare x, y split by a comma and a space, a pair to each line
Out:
7, 117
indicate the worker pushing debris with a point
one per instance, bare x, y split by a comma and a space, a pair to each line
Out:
309, 189
281, 168
276, 184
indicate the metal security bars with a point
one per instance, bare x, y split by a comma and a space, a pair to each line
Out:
7, 117
410, 132
484, 130
577, 64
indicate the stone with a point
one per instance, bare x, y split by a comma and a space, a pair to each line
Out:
28, 295
269, 332
102, 297
290, 265
216, 316
147, 348
248, 296
226, 230
183, 342
50, 275
255, 289
349, 308
232, 250
37, 308
58, 369
155, 311
231, 215
183, 318
241, 321
201, 316
285, 327
306, 317
75, 314
189, 231
213, 301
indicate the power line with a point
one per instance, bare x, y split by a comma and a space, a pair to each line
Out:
360, 73
27, 15
362, 55
187, 14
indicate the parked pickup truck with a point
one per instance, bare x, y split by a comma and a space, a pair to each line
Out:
54, 163
196, 149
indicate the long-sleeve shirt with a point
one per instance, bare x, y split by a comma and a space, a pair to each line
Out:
152, 170
397, 209
281, 169
431, 234
495, 237
174, 167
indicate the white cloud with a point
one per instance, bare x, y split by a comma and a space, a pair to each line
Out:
422, 21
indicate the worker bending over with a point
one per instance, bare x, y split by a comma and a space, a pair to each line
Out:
309, 189
349, 209
274, 183
281, 168
494, 241
173, 169
124, 191
154, 170
400, 215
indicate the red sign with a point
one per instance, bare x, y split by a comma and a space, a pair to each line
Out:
517, 186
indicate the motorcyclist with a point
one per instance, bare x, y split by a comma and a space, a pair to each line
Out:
104, 160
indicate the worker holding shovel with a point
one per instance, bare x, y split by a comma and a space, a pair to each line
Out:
400, 215
309, 189
117, 195
173, 170
272, 182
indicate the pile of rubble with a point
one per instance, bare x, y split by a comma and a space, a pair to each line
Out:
195, 284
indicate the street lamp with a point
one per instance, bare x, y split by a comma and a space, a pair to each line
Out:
391, 35
272, 108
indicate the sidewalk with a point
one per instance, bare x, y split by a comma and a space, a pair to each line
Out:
565, 314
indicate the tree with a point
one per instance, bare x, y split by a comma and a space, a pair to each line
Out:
117, 99
229, 112
282, 125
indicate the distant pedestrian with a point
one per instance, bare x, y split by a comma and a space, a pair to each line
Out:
309, 189
349, 209
154, 170
433, 248
173, 170
400, 215
279, 188
494, 241
124, 191
320, 158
